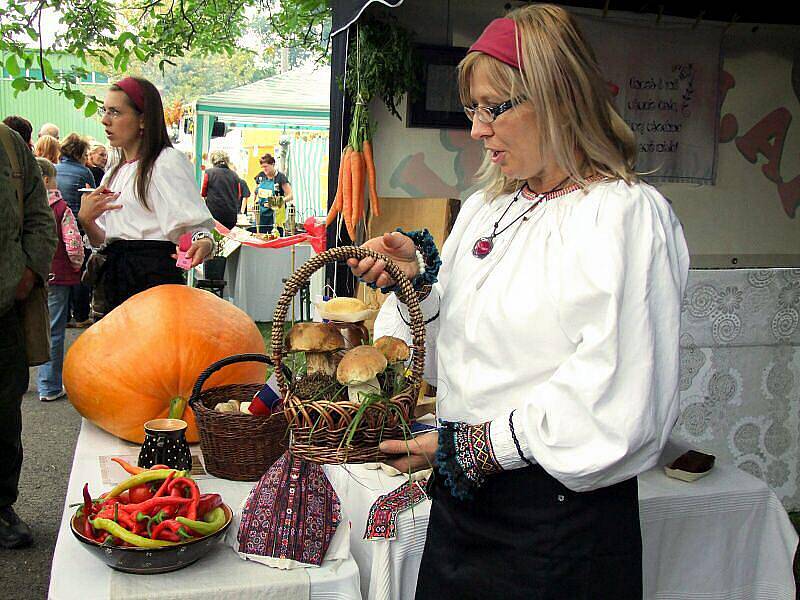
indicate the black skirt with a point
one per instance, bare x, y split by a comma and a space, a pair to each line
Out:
525, 536
132, 266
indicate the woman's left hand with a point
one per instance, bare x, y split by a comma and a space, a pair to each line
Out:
413, 455
199, 251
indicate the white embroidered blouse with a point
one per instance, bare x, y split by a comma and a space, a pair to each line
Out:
572, 322
176, 206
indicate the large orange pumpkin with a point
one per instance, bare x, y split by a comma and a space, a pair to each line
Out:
141, 360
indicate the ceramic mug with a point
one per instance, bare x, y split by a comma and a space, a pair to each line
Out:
165, 444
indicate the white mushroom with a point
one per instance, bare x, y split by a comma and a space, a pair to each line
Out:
359, 369
396, 352
394, 349
319, 341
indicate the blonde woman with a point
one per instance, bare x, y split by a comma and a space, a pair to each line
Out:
553, 333
48, 147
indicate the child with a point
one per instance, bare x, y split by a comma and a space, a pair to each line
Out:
65, 272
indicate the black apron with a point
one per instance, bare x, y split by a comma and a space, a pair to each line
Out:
132, 266
524, 536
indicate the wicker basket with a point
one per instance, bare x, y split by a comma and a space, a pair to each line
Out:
318, 427
236, 446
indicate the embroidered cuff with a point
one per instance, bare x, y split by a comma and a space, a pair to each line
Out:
465, 457
510, 447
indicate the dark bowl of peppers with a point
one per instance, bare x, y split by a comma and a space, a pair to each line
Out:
147, 561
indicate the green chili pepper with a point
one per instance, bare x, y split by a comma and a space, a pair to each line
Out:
143, 477
120, 532
212, 522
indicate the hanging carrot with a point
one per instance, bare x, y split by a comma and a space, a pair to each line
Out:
369, 161
347, 195
337, 202
357, 167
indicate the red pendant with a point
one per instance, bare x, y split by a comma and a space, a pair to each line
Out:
482, 247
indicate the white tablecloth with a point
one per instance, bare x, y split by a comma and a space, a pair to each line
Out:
255, 275
725, 536
78, 575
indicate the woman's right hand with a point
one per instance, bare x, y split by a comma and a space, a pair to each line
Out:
400, 248
94, 204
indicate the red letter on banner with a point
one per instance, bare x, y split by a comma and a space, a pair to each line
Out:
758, 141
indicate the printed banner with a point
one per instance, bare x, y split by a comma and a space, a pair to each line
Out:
665, 79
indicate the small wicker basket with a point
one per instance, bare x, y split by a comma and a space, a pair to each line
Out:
319, 428
236, 446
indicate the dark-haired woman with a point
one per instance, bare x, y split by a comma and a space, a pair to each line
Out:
273, 192
146, 201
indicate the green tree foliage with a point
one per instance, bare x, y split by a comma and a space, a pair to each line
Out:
196, 74
117, 34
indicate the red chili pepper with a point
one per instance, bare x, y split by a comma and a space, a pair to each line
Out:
148, 506
120, 516
87, 501
191, 513
164, 486
168, 536
88, 530
208, 502
170, 526
156, 467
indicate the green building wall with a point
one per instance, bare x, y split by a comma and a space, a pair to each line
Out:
48, 106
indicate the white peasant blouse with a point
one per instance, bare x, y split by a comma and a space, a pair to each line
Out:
571, 324
174, 200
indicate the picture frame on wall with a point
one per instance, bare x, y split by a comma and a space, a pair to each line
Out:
438, 106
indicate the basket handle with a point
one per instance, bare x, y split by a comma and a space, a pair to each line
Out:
230, 360
406, 294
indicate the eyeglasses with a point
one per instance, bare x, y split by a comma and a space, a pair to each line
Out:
488, 114
113, 113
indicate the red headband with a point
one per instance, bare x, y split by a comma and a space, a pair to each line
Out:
134, 91
500, 40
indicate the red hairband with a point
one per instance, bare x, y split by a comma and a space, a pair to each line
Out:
134, 91
500, 40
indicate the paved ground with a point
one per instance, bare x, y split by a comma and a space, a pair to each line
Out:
49, 435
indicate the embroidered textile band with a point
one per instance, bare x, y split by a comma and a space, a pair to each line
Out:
500, 40
134, 91
382, 519
465, 457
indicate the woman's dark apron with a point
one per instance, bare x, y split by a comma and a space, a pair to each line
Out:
132, 266
525, 536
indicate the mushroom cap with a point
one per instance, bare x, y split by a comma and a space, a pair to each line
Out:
314, 337
360, 365
344, 306
394, 349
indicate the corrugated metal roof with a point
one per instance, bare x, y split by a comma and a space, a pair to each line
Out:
299, 90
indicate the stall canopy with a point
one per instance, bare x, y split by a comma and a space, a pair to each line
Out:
297, 99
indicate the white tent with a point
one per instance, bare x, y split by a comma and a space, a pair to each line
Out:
297, 99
